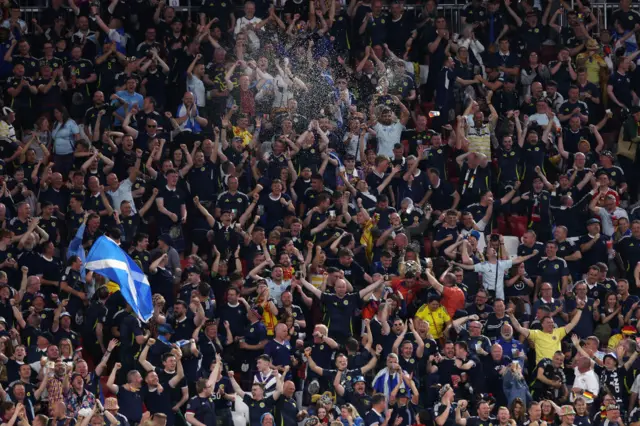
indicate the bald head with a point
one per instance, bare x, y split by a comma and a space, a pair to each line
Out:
289, 389
584, 364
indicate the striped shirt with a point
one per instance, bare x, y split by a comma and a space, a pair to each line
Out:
267, 380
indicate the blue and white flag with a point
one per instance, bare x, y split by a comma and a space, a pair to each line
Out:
109, 260
385, 382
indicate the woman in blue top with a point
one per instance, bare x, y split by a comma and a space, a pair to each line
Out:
349, 416
65, 134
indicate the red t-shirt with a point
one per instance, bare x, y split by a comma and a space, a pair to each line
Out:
452, 299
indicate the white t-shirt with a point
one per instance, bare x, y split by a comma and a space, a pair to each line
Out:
607, 219
196, 86
587, 381
387, 137
275, 290
489, 279
543, 120
254, 41
123, 193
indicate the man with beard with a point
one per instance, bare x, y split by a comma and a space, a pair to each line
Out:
511, 347
56, 380
77, 396
129, 396
170, 376
185, 318
342, 376
156, 398
388, 130
353, 272
483, 416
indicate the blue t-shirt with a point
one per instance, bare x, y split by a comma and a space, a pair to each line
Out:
131, 99
64, 142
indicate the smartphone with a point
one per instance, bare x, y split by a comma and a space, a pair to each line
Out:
298, 275
260, 210
332, 214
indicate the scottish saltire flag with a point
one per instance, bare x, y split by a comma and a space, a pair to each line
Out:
385, 382
108, 259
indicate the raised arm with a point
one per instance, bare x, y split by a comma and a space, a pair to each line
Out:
307, 285
113, 388
517, 327
370, 288
576, 317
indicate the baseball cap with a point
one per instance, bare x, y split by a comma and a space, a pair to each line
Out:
166, 239
402, 393
358, 379
567, 410
592, 221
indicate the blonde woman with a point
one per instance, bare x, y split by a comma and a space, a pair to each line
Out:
66, 351
349, 416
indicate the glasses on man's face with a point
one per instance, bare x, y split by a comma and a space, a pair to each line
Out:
152, 126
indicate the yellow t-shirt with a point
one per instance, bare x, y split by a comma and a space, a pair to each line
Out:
246, 135
547, 344
592, 64
437, 319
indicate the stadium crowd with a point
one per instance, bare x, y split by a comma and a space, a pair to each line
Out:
349, 213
